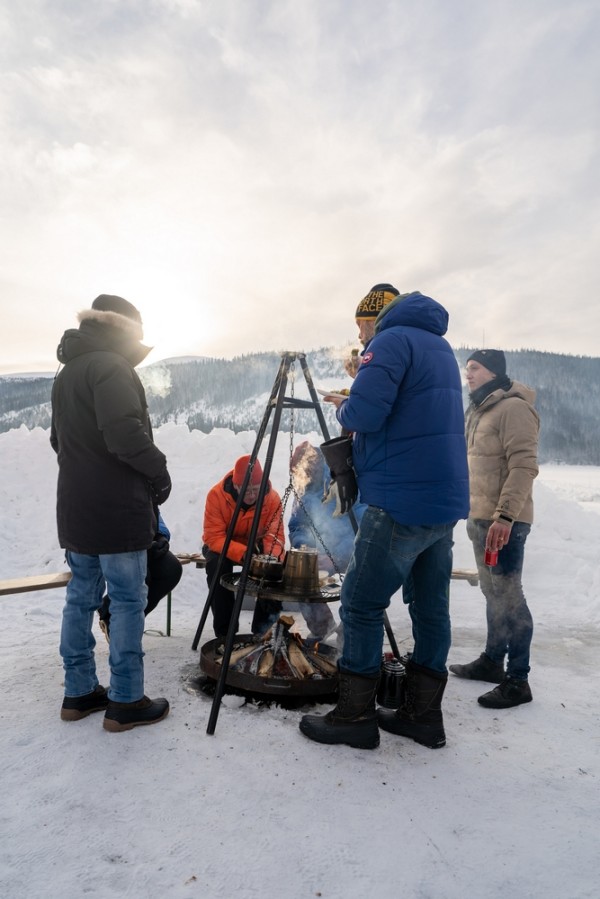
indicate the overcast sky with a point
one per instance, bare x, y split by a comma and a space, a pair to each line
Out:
245, 170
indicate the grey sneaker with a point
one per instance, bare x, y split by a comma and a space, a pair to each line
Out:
507, 694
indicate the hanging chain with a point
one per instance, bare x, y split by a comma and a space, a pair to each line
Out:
291, 490
317, 534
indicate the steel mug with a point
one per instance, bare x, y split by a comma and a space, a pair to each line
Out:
389, 692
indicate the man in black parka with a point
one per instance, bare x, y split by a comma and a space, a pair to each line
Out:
110, 477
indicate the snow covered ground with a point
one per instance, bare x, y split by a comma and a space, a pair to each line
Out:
510, 808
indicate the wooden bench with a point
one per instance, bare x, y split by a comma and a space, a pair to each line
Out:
35, 582
465, 574
13, 586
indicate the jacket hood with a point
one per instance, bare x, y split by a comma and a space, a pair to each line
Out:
414, 310
103, 331
129, 326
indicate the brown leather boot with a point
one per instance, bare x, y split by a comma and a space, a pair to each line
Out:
127, 715
74, 708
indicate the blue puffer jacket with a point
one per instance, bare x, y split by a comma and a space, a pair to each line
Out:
405, 409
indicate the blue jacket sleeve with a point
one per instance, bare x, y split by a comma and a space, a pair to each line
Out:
376, 385
162, 528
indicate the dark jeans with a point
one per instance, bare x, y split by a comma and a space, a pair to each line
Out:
266, 611
509, 621
387, 555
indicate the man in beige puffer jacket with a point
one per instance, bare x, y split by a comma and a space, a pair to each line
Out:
502, 429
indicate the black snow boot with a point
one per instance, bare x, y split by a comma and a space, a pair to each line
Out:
353, 721
509, 693
481, 669
420, 715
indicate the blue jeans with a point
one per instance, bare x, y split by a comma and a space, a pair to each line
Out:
387, 555
124, 575
509, 621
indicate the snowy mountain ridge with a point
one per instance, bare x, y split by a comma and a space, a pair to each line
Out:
206, 393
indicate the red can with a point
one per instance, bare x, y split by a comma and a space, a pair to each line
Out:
491, 557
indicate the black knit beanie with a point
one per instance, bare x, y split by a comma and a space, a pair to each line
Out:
493, 360
106, 302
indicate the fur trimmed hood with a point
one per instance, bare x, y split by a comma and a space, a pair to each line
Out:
104, 330
129, 326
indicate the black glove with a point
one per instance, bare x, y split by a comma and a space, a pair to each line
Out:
161, 487
343, 488
344, 491
160, 547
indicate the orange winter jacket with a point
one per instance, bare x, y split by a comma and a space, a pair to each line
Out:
218, 512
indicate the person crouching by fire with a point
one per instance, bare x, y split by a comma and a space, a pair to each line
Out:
218, 514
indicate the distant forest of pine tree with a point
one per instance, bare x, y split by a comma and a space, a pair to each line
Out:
206, 393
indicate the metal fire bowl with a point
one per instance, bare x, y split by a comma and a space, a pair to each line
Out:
268, 590
273, 686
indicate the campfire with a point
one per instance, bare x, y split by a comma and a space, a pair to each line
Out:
282, 653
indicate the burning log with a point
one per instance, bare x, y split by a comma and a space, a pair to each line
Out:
239, 654
322, 664
265, 664
299, 661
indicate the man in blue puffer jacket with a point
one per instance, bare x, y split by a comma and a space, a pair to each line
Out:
405, 411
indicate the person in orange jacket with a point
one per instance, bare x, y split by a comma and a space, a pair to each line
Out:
270, 539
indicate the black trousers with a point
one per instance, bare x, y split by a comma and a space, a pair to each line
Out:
266, 611
164, 573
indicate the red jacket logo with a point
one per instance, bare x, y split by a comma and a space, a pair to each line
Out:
366, 358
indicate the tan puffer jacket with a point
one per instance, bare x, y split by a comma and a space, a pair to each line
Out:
502, 439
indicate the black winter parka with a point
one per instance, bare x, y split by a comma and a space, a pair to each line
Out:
102, 434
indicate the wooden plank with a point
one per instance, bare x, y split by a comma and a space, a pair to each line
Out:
36, 582
464, 574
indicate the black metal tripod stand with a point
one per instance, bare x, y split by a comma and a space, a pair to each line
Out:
278, 401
